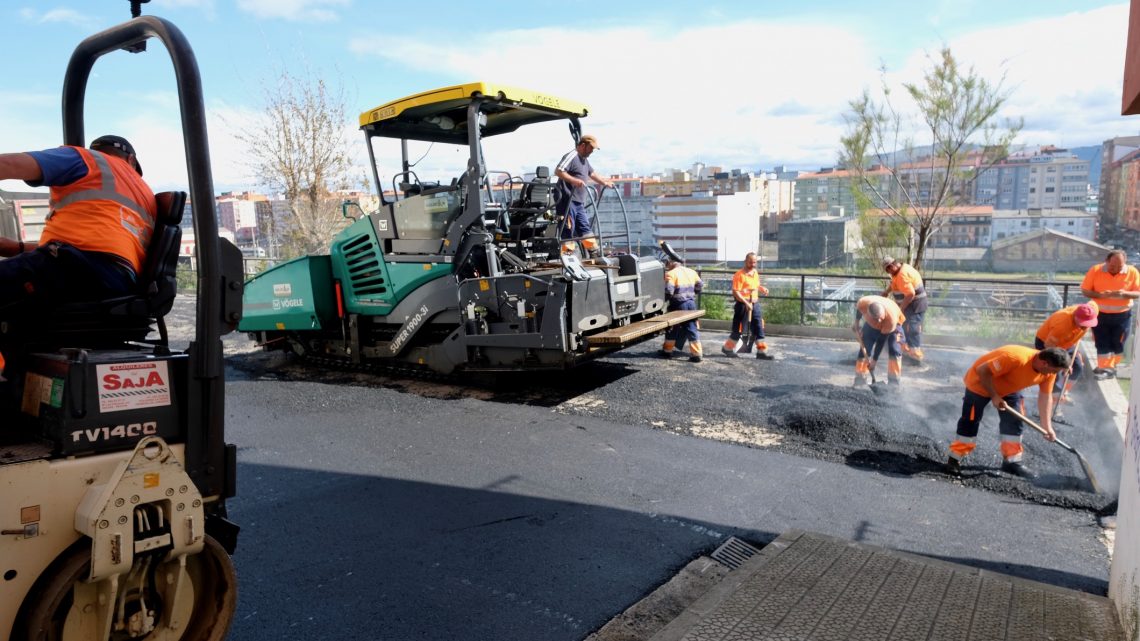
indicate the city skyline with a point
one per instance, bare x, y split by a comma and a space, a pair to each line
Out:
749, 87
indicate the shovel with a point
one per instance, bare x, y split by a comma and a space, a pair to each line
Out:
746, 348
1084, 462
867, 356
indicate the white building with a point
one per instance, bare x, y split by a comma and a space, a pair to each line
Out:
706, 228
1012, 222
1058, 182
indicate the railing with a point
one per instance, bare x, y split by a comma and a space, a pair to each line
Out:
975, 307
187, 273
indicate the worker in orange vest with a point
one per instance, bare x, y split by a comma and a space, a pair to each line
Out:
1065, 328
746, 290
1112, 285
998, 377
907, 289
682, 286
100, 223
882, 322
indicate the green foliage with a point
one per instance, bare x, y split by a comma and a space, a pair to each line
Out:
956, 114
882, 236
187, 280
716, 307
782, 311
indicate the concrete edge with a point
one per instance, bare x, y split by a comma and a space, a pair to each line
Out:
1110, 392
658, 608
710, 600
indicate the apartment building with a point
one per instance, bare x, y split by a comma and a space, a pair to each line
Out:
829, 191
1119, 201
706, 227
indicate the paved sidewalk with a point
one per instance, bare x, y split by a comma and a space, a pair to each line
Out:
811, 586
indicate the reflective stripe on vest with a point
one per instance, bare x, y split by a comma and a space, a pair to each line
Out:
107, 191
109, 210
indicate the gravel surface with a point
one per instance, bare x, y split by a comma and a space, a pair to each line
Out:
802, 404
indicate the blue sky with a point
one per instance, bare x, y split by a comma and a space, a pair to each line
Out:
748, 85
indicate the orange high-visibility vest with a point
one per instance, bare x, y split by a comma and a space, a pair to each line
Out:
110, 210
1099, 280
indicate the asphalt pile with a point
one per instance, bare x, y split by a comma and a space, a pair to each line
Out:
848, 419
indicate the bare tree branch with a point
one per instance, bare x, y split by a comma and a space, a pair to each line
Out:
957, 109
297, 148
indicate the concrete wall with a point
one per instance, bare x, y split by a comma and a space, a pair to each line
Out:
1124, 578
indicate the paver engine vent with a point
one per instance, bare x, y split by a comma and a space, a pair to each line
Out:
734, 552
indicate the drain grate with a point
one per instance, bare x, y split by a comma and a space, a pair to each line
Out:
734, 552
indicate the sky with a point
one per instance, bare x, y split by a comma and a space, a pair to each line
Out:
747, 85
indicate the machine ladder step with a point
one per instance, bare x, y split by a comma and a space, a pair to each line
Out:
633, 331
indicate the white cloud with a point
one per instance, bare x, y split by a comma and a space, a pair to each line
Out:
1064, 74
68, 16
755, 94
722, 94
295, 10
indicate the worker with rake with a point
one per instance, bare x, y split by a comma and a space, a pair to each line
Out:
998, 377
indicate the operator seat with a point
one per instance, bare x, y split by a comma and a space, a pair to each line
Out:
535, 198
106, 323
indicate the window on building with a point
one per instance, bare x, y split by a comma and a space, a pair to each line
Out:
1049, 190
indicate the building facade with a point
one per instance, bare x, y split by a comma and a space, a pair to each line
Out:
829, 192
1073, 222
819, 242
708, 228
1045, 250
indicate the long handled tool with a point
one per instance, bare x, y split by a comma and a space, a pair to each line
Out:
1064, 382
866, 356
749, 339
1084, 462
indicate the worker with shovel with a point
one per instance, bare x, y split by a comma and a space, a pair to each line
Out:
1064, 329
882, 323
998, 377
746, 314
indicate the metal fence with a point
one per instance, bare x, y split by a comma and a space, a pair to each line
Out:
975, 307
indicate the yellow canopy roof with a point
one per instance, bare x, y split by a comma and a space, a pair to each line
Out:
440, 115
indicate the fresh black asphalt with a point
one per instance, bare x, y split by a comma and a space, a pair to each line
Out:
538, 507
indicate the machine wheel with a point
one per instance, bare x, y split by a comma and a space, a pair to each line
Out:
203, 611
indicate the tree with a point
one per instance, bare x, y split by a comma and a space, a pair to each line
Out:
956, 116
297, 148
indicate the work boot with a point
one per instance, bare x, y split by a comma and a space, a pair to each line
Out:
953, 467
731, 353
893, 381
1017, 468
764, 355
1104, 374
665, 354
861, 380
695, 359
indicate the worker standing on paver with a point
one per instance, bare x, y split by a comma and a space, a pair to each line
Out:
1064, 329
908, 290
746, 313
1112, 285
998, 377
682, 286
882, 320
